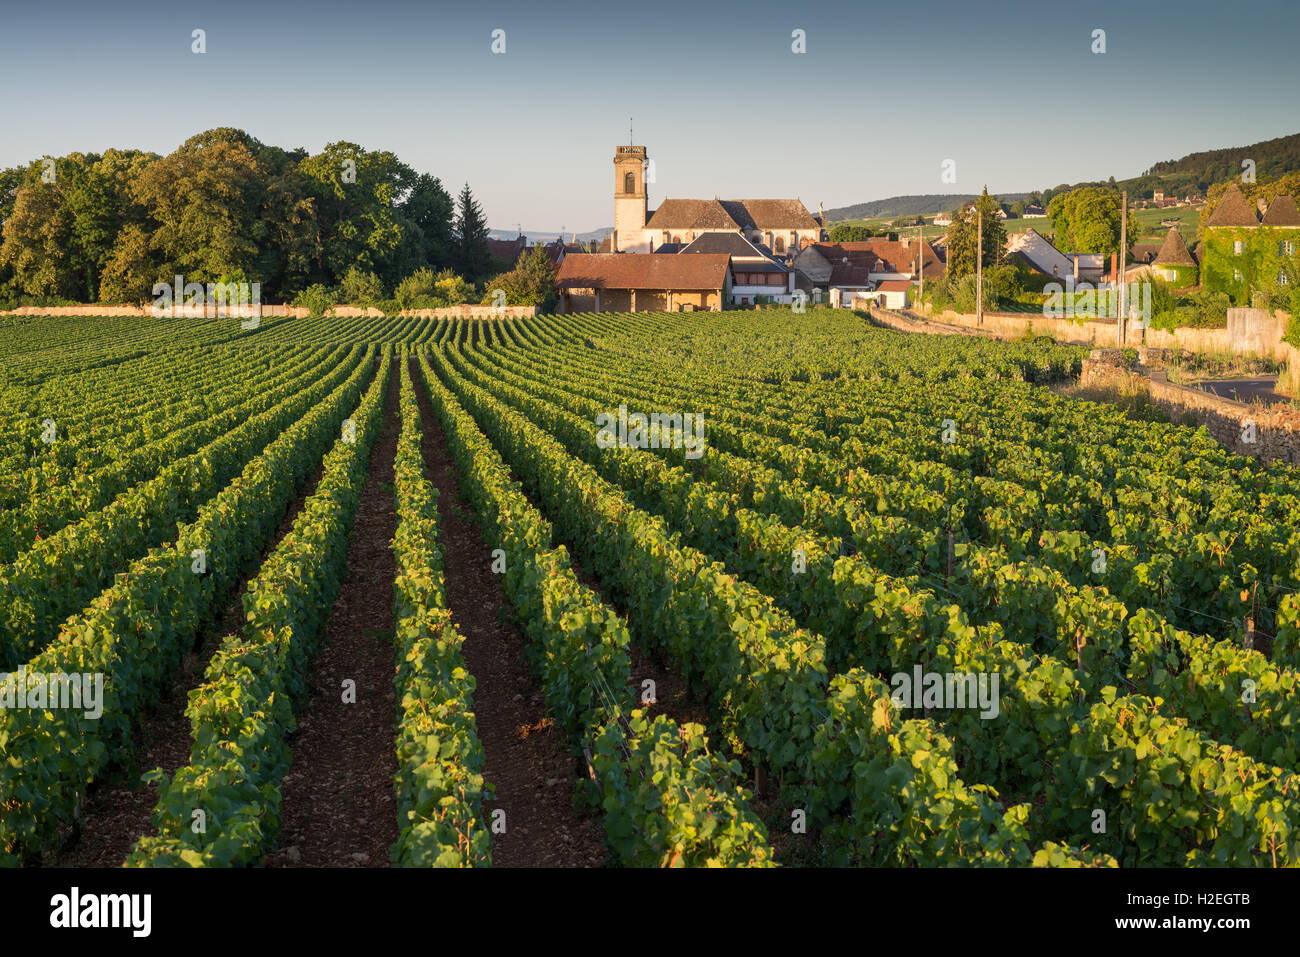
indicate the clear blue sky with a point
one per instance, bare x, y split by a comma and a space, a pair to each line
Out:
885, 92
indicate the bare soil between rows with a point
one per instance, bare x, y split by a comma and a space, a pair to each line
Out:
526, 756
339, 806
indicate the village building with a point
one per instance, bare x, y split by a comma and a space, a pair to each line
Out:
859, 265
508, 250
1143, 253
1174, 262
653, 282
782, 225
1034, 211
557, 249
1036, 252
893, 293
839, 271
1242, 250
757, 278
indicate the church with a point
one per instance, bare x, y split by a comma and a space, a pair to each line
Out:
698, 253
780, 227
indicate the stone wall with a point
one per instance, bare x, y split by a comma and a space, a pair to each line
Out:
1256, 332
1014, 325
1276, 432
902, 322
273, 312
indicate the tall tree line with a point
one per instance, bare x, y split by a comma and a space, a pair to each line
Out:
106, 227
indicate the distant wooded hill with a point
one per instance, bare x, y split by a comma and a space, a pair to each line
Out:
927, 204
1194, 173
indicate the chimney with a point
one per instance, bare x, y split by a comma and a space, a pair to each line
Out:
1075, 257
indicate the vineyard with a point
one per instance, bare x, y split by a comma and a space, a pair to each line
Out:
627, 590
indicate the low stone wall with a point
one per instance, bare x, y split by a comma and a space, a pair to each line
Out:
1254, 332
274, 312
902, 322
1015, 325
1276, 432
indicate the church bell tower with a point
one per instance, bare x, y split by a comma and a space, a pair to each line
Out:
629, 199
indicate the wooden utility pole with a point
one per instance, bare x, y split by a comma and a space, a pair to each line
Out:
1123, 256
979, 266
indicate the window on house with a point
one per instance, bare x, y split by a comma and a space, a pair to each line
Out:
629, 182
779, 246
1286, 248
1236, 275
775, 279
1237, 247
1281, 278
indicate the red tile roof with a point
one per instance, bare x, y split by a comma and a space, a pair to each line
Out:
882, 253
642, 271
894, 285
507, 249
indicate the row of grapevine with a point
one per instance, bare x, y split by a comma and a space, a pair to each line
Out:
439, 781
136, 632
241, 715
665, 797
58, 576
55, 497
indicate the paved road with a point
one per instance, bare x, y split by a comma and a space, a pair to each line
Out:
1245, 390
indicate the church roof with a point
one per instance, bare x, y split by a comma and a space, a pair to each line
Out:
731, 214
771, 213
643, 271
1282, 212
1174, 252
1233, 210
691, 214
